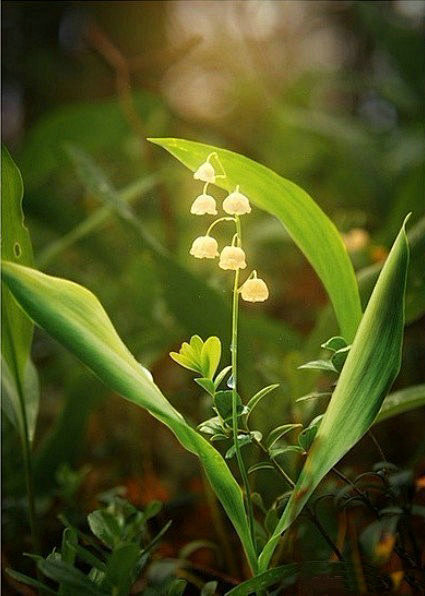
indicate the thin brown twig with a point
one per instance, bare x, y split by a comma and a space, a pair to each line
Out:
120, 65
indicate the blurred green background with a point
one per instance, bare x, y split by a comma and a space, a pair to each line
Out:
328, 94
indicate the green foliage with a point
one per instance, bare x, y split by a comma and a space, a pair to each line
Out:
201, 357
372, 364
19, 377
81, 324
124, 552
309, 227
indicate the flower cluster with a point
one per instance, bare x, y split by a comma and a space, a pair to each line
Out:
232, 257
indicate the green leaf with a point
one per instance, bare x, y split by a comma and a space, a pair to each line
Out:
285, 450
207, 385
219, 378
66, 574
79, 322
211, 426
88, 557
184, 361
334, 344
29, 581
309, 227
210, 356
279, 432
21, 392
177, 587
242, 441
402, 401
314, 395
339, 357
370, 369
209, 589
306, 437
319, 365
262, 465
289, 572
223, 403
121, 569
105, 526
255, 399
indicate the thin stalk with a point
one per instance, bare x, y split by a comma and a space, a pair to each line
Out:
234, 352
27, 459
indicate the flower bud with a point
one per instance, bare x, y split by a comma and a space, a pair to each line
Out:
205, 172
254, 290
236, 203
232, 257
204, 204
204, 247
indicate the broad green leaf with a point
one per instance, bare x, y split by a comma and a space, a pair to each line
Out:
370, 369
121, 569
402, 401
185, 362
223, 403
210, 356
21, 394
207, 385
309, 227
74, 316
105, 526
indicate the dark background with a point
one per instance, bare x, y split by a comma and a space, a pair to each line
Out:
328, 94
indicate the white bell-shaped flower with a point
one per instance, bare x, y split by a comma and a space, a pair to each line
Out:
255, 290
204, 247
236, 203
204, 204
232, 257
205, 172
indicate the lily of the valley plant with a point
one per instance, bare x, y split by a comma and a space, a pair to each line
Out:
365, 356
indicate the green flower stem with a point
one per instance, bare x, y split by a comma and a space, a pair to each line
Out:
234, 350
214, 223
